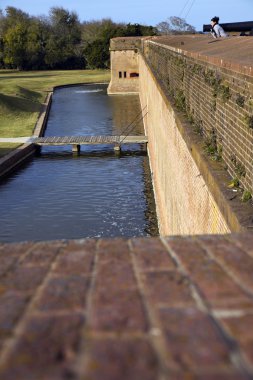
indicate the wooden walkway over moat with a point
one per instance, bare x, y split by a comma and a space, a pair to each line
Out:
77, 141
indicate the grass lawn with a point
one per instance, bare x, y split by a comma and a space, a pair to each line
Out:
22, 94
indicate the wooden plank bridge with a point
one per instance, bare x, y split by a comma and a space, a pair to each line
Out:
77, 141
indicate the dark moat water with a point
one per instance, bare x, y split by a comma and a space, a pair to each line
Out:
58, 195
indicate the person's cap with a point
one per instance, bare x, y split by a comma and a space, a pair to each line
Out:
215, 19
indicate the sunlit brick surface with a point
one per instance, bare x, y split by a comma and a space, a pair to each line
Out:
146, 308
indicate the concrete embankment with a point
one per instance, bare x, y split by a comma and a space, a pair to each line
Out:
20, 155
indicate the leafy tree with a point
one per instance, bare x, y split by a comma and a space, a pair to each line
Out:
15, 46
97, 55
1, 39
37, 36
174, 25
14, 36
64, 38
139, 30
97, 36
59, 41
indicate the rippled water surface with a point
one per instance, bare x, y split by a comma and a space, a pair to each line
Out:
59, 195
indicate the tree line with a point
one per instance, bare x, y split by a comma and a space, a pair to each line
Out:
59, 40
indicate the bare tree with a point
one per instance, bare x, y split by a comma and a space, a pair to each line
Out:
175, 25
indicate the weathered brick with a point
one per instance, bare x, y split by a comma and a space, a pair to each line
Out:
23, 279
46, 349
244, 240
218, 288
12, 306
116, 300
168, 288
240, 328
193, 340
222, 375
46, 346
16, 249
6, 262
114, 359
117, 310
237, 261
115, 276
42, 254
64, 293
212, 374
114, 250
151, 254
76, 259
114, 266
10, 254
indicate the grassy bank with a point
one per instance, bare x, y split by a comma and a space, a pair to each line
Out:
22, 94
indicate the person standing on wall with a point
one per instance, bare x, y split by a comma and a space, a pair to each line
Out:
216, 30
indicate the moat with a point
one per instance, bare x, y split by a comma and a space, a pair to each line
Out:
58, 195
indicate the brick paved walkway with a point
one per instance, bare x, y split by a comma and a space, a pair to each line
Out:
140, 309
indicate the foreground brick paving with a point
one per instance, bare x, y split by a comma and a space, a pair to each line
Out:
146, 308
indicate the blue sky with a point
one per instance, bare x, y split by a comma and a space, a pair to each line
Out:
147, 12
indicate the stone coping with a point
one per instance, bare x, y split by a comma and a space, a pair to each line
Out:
110, 309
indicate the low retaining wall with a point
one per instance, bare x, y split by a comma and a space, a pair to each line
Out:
19, 156
16, 158
41, 124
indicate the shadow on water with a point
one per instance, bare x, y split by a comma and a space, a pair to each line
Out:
102, 152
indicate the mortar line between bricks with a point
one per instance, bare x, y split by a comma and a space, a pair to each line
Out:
18, 259
225, 268
82, 359
237, 243
199, 299
20, 326
223, 313
236, 355
155, 332
233, 348
124, 336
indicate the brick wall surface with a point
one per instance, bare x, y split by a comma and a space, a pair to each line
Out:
151, 308
217, 98
184, 202
124, 62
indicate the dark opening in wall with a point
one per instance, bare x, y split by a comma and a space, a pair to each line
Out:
134, 75
120, 74
125, 74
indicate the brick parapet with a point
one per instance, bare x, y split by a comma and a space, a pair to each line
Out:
127, 308
217, 101
125, 43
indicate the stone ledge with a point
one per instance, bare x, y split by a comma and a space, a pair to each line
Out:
152, 308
